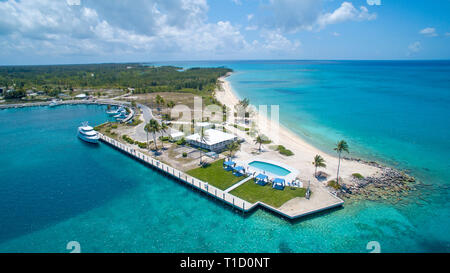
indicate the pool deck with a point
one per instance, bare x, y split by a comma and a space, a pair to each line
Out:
320, 199
251, 169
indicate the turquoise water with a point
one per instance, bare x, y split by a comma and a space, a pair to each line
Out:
271, 168
56, 188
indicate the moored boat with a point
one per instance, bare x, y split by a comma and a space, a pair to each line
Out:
88, 134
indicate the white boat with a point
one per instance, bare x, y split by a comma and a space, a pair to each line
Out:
115, 112
88, 134
121, 115
53, 103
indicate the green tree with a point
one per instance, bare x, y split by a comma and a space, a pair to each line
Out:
159, 101
152, 127
341, 146
233, 148
163, 129
171, 104
203, 138
259, 140
318, 162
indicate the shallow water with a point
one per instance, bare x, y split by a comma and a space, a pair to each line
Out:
55, 188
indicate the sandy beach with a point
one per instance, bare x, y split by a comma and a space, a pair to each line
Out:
303, 152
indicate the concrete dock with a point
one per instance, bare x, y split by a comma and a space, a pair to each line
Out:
320, 200
298, 207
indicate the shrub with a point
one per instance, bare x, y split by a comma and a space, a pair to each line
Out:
114, 126
334, 185
181, 142
164, 138
282, 150
357, 176
128, 139
142, 145
184, 154
136, 121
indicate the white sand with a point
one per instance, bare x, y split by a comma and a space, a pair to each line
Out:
304, 152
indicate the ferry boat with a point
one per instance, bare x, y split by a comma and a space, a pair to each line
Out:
88, 134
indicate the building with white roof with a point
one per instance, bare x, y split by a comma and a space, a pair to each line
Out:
81, 96
214, 140
202, 125
176, 135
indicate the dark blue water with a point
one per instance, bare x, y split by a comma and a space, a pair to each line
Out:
55, 188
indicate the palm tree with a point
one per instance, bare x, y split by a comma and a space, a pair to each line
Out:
341, 146
241, 108
159, 101
147, 129
163, 129
318, 162
233, 147
224, 112
259, 140
171, 104
203, 138
153, 127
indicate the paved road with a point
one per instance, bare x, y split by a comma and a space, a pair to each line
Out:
146, 112
141, 134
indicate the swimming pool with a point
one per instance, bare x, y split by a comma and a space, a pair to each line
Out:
271, 168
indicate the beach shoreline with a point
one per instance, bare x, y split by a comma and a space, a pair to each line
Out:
304, 154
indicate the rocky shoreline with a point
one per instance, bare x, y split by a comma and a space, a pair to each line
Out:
388, 184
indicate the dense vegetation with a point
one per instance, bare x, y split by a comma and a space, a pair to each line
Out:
145, 79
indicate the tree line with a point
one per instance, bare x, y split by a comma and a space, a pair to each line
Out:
143, 78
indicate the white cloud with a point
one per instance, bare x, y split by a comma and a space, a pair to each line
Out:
105, 27
336, 34
275, 41
294, 16
346, 12
429, 31
164, 29
414, 48
73, 2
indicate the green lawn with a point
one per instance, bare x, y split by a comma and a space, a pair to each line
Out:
215, 175
253, 192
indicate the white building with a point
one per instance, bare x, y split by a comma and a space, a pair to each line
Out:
81, 96
214, 140
202, 125
176, 136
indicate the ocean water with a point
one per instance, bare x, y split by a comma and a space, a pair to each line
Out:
55, 188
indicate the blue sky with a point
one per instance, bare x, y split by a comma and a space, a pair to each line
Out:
86, 31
